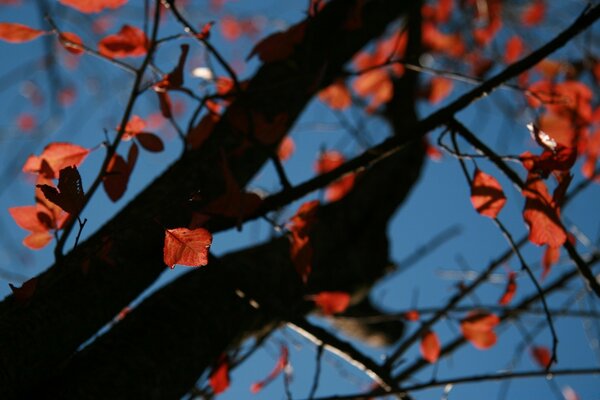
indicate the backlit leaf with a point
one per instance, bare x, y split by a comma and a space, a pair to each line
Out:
57, 156
18, 33
478, 327
487, 195
430, 346
534, 13
332, 302
510, 290
130, 41
219, 377
541, 355
330, 160
186, 247
337, 96
71, 42
93, 6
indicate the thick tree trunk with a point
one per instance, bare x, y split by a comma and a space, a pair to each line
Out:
88, 287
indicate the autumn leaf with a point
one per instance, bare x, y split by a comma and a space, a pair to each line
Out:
550, 257
69, 195
186, 247
116, 178
411, 315
18, 33
280, 366
328, 161
478, 327
541, 214
534, 13
487, 195
24, 293
37, 240
128, 42
430, 346
514, 49
337, 96
541, 355
219, 377
93, 6
332, 302
286, 148
57, 156
510, 290
438, 89
71, 42
150, 142
301, 251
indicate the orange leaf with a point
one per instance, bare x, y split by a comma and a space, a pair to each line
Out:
186, 247
25, 291
337, 96
286, 148
332, 302
376, 84
551, 257
18, 33
430, 346
128, 42
439, 88
282, 362
57, 156
541, 214
486, 194
328, 161
478, 327
301, 251
71, 42
541, 355
510, 290
93, 6
219, 377
27, 217
37, 240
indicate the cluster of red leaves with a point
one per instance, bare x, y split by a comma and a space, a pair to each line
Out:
477, 327
301, 250
280, 366
328, 161
58, 160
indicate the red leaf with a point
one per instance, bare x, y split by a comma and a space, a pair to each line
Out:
186, 247
430, 346
204, 33
57, 156
534, 13
332, 302
337, 96
25, 292
478, 327
27, 218
439, 88
231, 28
282, 362
117, 177
412, 315
551, 257
486, 194
375, 84
128, 42
541, 355
150, 142
306, 216
280, 45
26, 122
510, 290
541, 214
432, 151
71, 42
69, 195
18, 33
328, 161
219, 377
37, 240
514, 48
93, 6
301, 251
549, 161
286, 148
